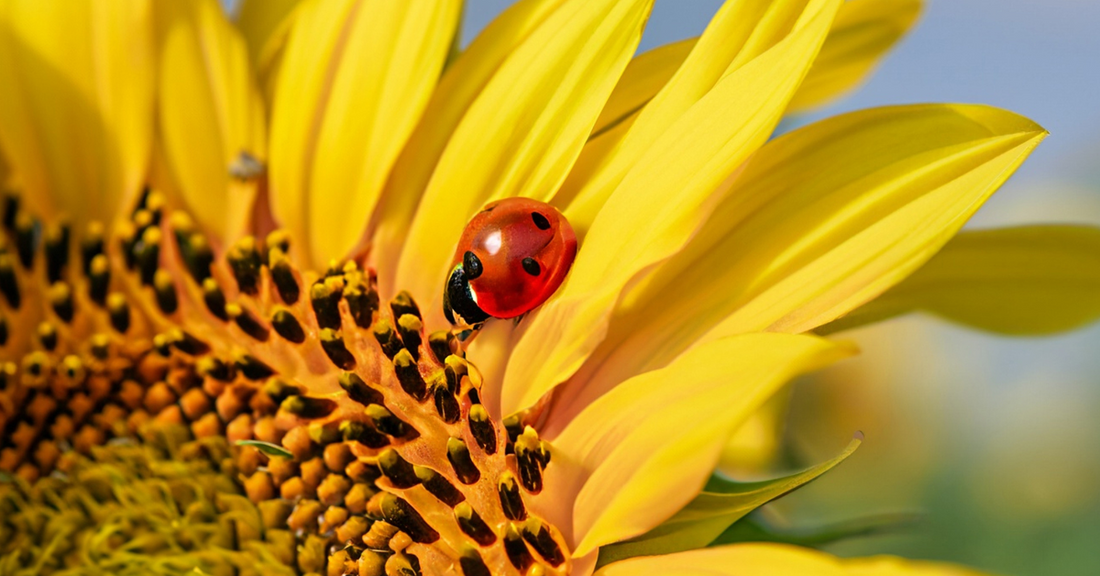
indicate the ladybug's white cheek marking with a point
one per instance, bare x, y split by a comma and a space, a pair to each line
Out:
493, 243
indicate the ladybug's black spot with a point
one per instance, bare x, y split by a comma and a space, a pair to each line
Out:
471, 264
531, 267
540, 221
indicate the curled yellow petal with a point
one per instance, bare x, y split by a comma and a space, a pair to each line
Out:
354, 80
525, 129
1029, 280
658, 206
636, 473
863, 32
76, 107
756, 559
211, 116
819, 222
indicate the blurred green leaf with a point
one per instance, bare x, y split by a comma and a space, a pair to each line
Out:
1026, 281
756, 528
721, 503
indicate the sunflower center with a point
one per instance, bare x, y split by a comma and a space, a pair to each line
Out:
359, 439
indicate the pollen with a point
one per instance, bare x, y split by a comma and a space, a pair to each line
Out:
237, 415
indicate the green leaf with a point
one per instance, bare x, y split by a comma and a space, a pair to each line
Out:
266, 447
721, 503
756, 528
1025, 281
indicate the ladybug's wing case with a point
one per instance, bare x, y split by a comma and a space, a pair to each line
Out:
505, 289
524, 247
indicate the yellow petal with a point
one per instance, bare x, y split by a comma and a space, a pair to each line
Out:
738, 33
76, 107
864, 31
637, 472
210, 114
643, 78
354, 79
658, 207
525, 129
262, 20
5, 172
463, 81
821, 220
1025, 281
757, 559
456, 37
649, 73
265, 25
594, 157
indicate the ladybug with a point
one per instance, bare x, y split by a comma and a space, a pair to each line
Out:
511, 257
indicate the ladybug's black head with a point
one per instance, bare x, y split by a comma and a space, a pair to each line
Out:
459, 302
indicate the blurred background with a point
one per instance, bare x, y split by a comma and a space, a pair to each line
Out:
995, 440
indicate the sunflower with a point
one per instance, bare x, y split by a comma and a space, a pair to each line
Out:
223, 341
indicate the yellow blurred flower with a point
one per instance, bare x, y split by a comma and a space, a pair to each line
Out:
305, 177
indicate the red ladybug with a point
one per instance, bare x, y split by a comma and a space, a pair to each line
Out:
512, 256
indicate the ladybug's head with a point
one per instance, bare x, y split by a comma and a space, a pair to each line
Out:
459, 300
